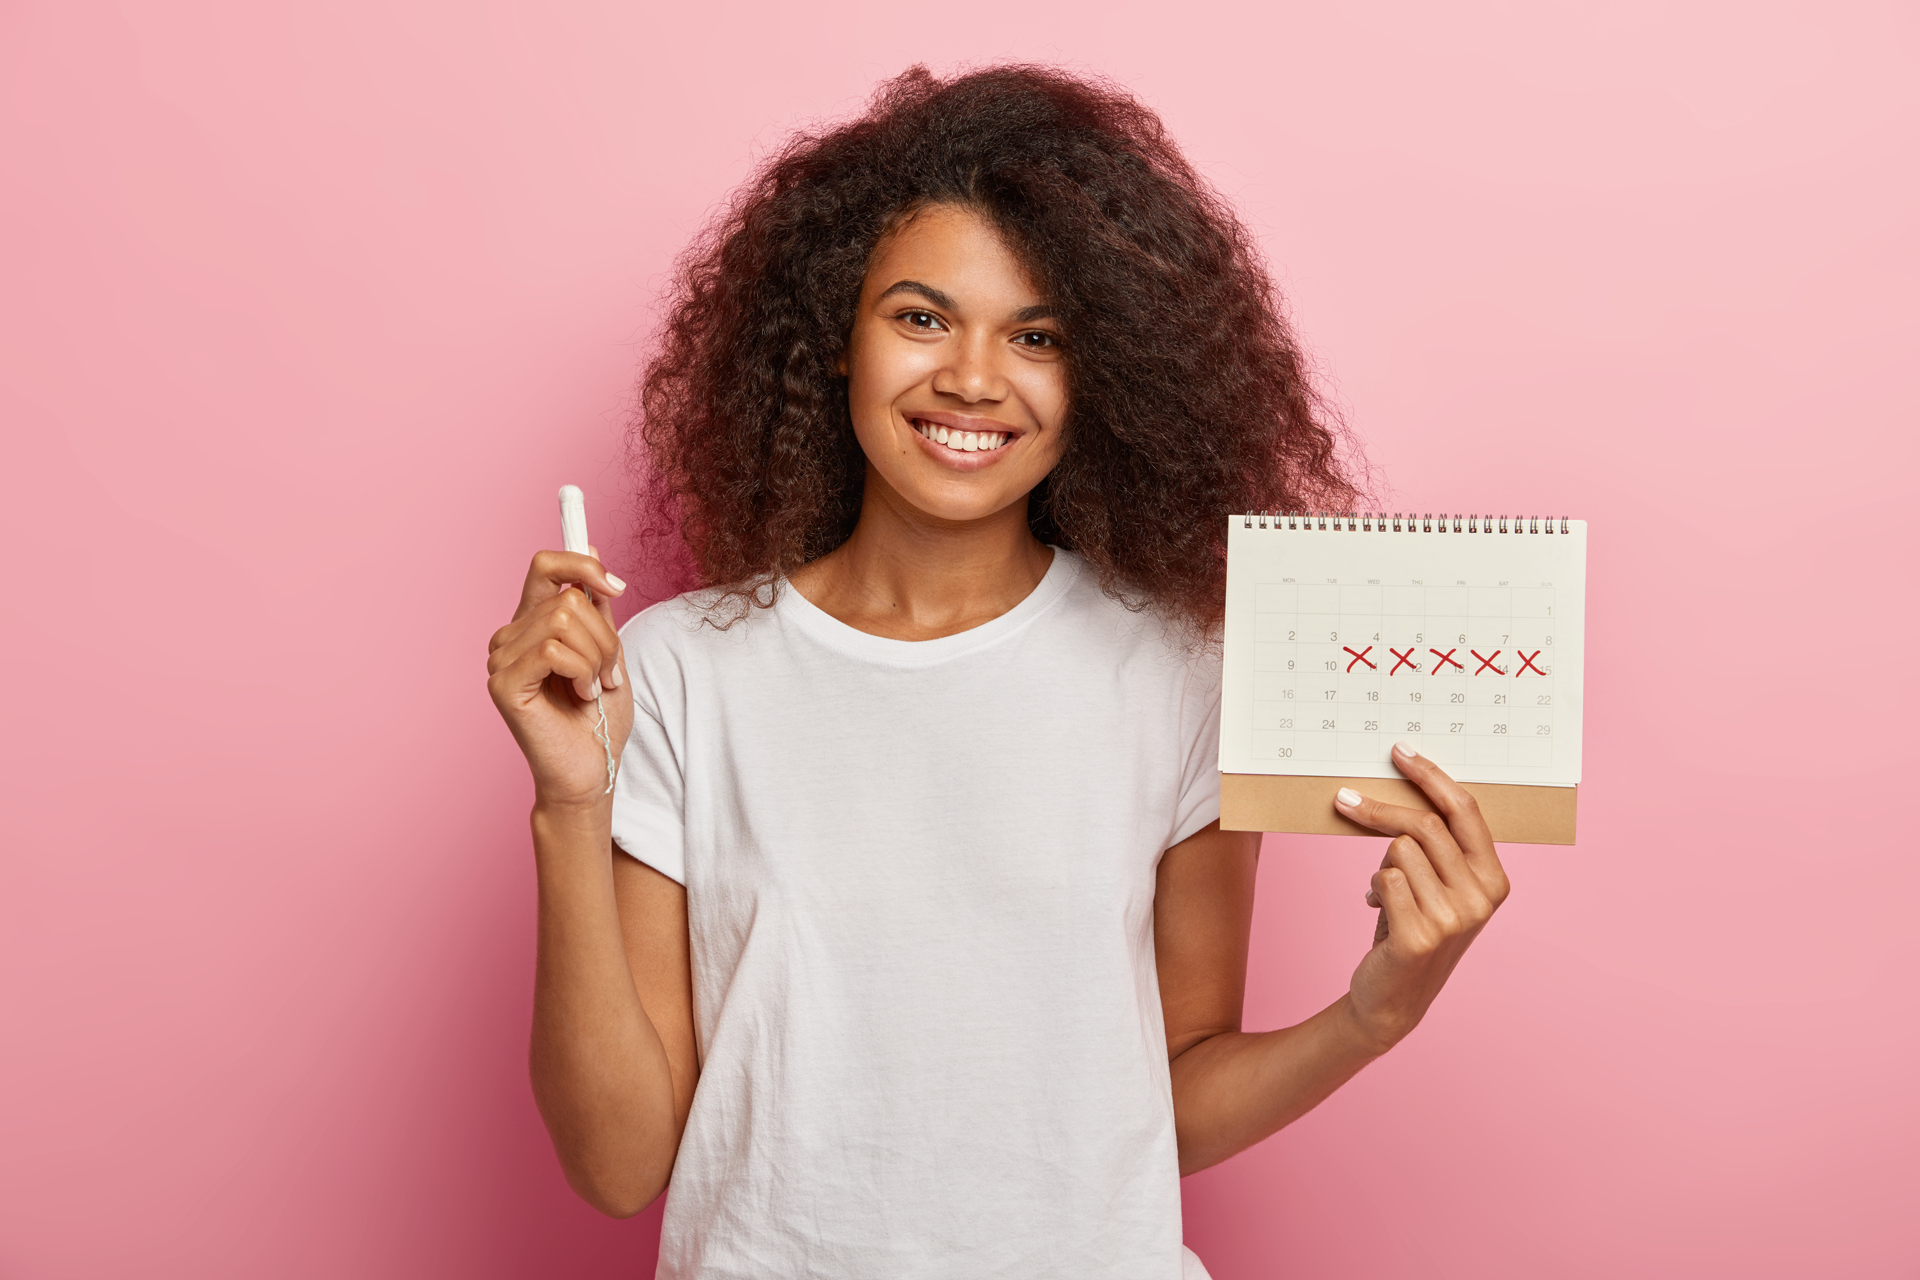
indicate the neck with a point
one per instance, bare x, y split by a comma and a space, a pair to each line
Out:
906, 575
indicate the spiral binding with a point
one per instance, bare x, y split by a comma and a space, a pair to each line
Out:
1381, 522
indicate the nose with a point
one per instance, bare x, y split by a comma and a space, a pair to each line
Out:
969, 371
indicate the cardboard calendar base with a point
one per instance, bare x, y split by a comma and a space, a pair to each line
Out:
1269, 802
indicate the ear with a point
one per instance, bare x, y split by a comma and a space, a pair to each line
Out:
840, 365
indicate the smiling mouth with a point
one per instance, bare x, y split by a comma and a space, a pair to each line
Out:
963, 441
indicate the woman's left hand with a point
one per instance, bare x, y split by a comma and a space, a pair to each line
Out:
1436, 889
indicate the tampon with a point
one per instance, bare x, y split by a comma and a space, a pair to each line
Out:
573, 519
573, 536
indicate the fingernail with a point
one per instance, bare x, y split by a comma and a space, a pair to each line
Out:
1406, 749
595, 691
1346, 797
617, 585
618, 676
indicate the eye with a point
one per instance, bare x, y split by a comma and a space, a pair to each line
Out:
1037, 340
925, 321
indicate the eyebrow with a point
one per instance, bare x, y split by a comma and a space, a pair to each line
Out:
937, 298
926, 291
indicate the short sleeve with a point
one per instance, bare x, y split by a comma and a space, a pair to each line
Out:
1199, 801
649, 795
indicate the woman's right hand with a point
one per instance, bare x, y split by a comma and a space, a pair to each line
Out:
545, 668
612, 1055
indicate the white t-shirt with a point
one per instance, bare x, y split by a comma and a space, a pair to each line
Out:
920, 895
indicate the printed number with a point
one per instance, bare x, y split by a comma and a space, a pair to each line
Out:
1286, 693
1289, 635
1419, 637
1373, 695
1413, 697
1463, 637
1285, 752
1333, 635
1499, 728
1331, 694
1457, 697
1326, 724
1543, 730
1543, 700
1499, 699
1334, 665
1549, 642
1370, 724
1289, 664
1455, 726
1286, 724
1413, 726
1376, 638
1503, 639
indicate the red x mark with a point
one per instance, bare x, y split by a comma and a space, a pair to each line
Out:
1486, 662
1446, 658
1406, 660
1526, 663
1360, 657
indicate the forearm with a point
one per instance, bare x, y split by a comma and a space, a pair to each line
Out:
1235, 1088
601, 1075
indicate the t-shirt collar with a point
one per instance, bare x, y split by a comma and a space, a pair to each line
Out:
796, 610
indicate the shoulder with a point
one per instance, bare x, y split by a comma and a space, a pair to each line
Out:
696, 640
698, 619
1131, 627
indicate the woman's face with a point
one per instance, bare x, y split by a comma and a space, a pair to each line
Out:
954, 370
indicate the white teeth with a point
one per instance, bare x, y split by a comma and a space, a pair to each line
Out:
963, 441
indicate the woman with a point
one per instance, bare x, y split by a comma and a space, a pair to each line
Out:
908, 943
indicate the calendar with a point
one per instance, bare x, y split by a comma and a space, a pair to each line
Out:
1462, 635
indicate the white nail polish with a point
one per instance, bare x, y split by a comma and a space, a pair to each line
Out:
1346, 797
619, 676
615, 583
595, 691
1406, 749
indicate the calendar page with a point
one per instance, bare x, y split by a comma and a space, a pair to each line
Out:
1344, 636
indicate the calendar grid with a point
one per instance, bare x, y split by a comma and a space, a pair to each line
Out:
1339, 646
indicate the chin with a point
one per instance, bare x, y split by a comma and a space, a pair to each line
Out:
943, 504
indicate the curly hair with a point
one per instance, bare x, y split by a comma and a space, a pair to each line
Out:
1187, 395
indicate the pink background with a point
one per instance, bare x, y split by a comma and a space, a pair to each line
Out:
307, 313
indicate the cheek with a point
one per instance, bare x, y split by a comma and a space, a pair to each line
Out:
1046, 396
881, 371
